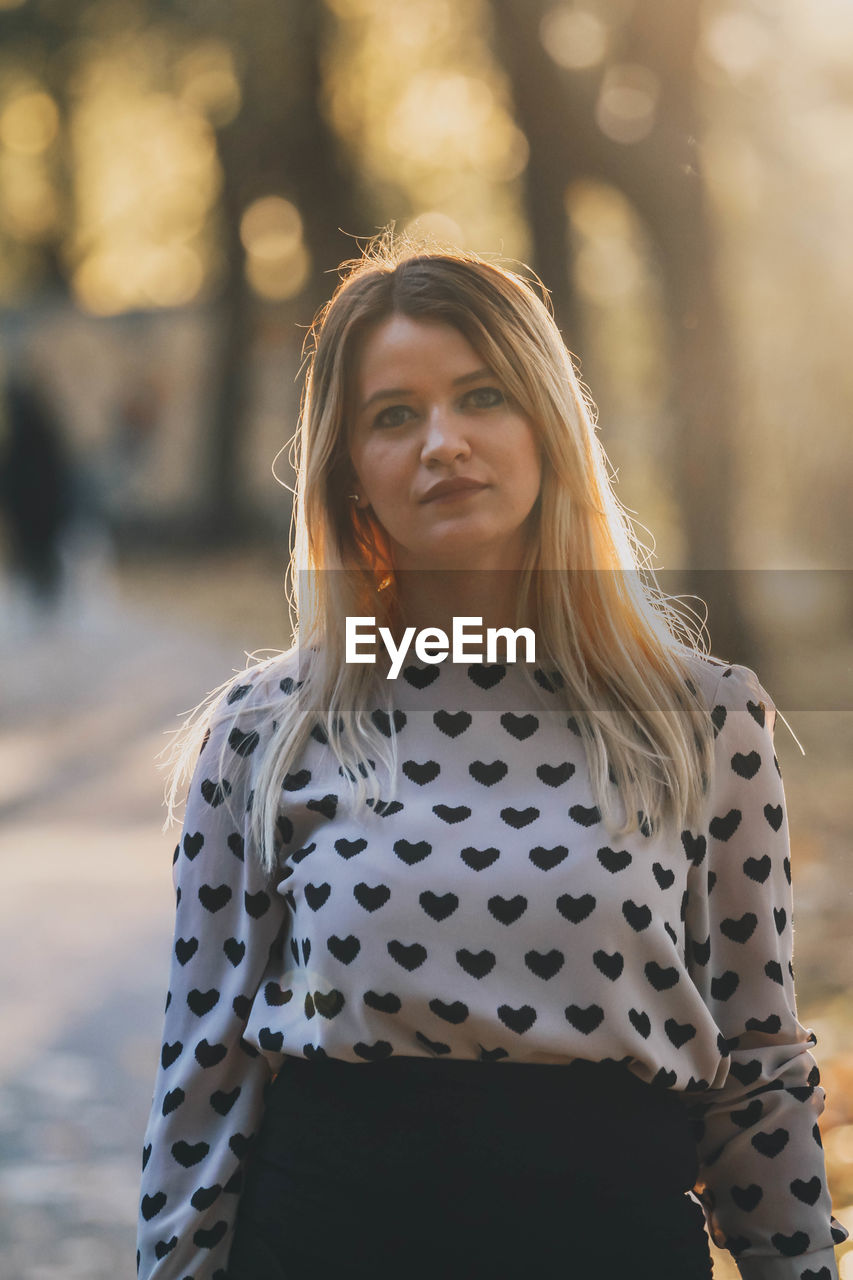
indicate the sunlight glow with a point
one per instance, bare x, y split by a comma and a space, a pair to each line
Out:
122, 278
840, 1143
737, 42
426, 111
278, 279
596, 209
607, 269
29, 123
438, 227
277, 261
574, 38
147, 177
417, 25
207, 81
609, 263
844, 1214
441, 114
824, 134
444, 118
30, 209
271, 227
625, 111
505, 153
820, 31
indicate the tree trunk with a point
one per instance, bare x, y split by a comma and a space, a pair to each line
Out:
536, 88
659, 175
281, 143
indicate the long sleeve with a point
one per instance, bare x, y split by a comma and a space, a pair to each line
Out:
762, 1167
208, 1095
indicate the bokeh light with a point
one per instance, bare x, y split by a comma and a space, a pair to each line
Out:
147, 179
627, 102
29, 207
29, 123
437, 227
427, 118
427, 114
277, 260
607, 269
113, 280
271, 227
574, 38
207, 81
737, 42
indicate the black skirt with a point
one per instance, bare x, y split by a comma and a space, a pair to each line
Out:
416, 1167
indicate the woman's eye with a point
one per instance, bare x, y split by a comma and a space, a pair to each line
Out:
394, 416
486, 397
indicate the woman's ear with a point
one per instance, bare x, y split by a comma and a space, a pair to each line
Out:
354, 495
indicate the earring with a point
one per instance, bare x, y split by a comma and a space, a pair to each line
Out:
354, 496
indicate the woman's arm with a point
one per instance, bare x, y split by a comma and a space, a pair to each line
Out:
762, 1163
208, 1096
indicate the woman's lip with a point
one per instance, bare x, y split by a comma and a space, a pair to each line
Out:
457, 493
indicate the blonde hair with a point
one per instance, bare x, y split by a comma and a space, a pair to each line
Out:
617, 646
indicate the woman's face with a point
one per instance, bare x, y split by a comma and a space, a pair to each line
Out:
427, 409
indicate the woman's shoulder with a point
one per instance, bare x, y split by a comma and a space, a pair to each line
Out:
732, 693
721, 683
262, 685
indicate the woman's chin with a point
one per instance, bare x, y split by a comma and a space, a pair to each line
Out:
458, 548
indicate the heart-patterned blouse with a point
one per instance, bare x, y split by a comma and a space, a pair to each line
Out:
487, 913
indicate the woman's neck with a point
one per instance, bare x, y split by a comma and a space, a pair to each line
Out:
434, 597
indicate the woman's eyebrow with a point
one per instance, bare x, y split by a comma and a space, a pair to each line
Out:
389, 392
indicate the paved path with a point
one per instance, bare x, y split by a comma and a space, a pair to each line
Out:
86, 918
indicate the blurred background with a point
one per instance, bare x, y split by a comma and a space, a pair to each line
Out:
179, 180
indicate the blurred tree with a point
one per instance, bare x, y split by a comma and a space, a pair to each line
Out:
344, 113
614, 100
33, 40
279, 143
274, 144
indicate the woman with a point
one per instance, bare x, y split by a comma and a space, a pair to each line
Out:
484, 966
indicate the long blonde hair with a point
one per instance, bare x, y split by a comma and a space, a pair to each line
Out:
616, 645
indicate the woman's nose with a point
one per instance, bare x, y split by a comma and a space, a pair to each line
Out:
445, 436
